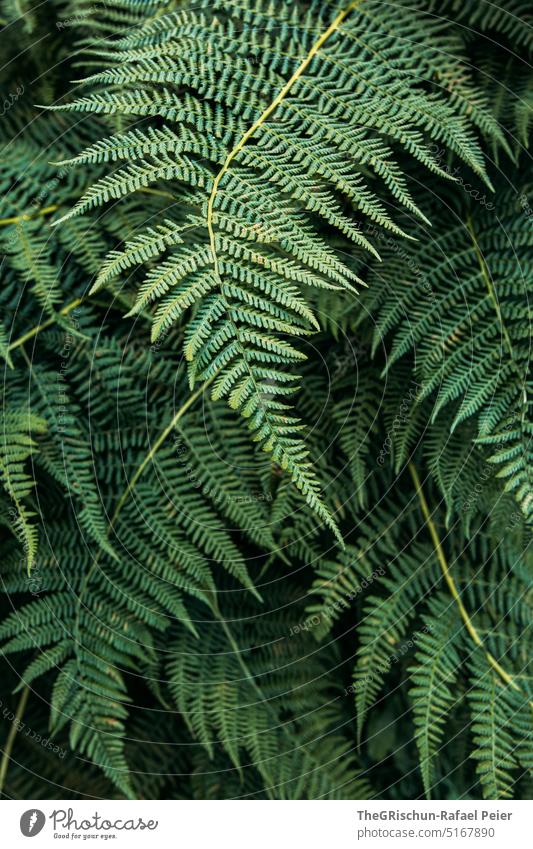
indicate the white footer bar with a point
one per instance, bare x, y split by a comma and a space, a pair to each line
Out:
268, 825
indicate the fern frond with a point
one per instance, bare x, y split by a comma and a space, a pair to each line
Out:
18, 446
474, 361
277, 138
436, 668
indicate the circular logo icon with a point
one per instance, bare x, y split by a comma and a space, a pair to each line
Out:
32, 822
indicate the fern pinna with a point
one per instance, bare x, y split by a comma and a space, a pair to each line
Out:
316, 215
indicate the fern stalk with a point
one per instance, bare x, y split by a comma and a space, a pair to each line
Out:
18, 219
48, 323
266, 114
10, 742
156, 446
131, 486
469, 625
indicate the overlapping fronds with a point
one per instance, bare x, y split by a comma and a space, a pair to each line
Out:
317, 215
471, 330
264, 139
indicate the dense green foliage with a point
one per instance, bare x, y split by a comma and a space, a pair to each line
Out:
265, 461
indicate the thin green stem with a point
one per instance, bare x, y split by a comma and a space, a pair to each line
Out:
485, 273
37, 329
131, 486
521, 375
445, 569
17, 219
282, 94
156, 446
6, 755
68, 309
